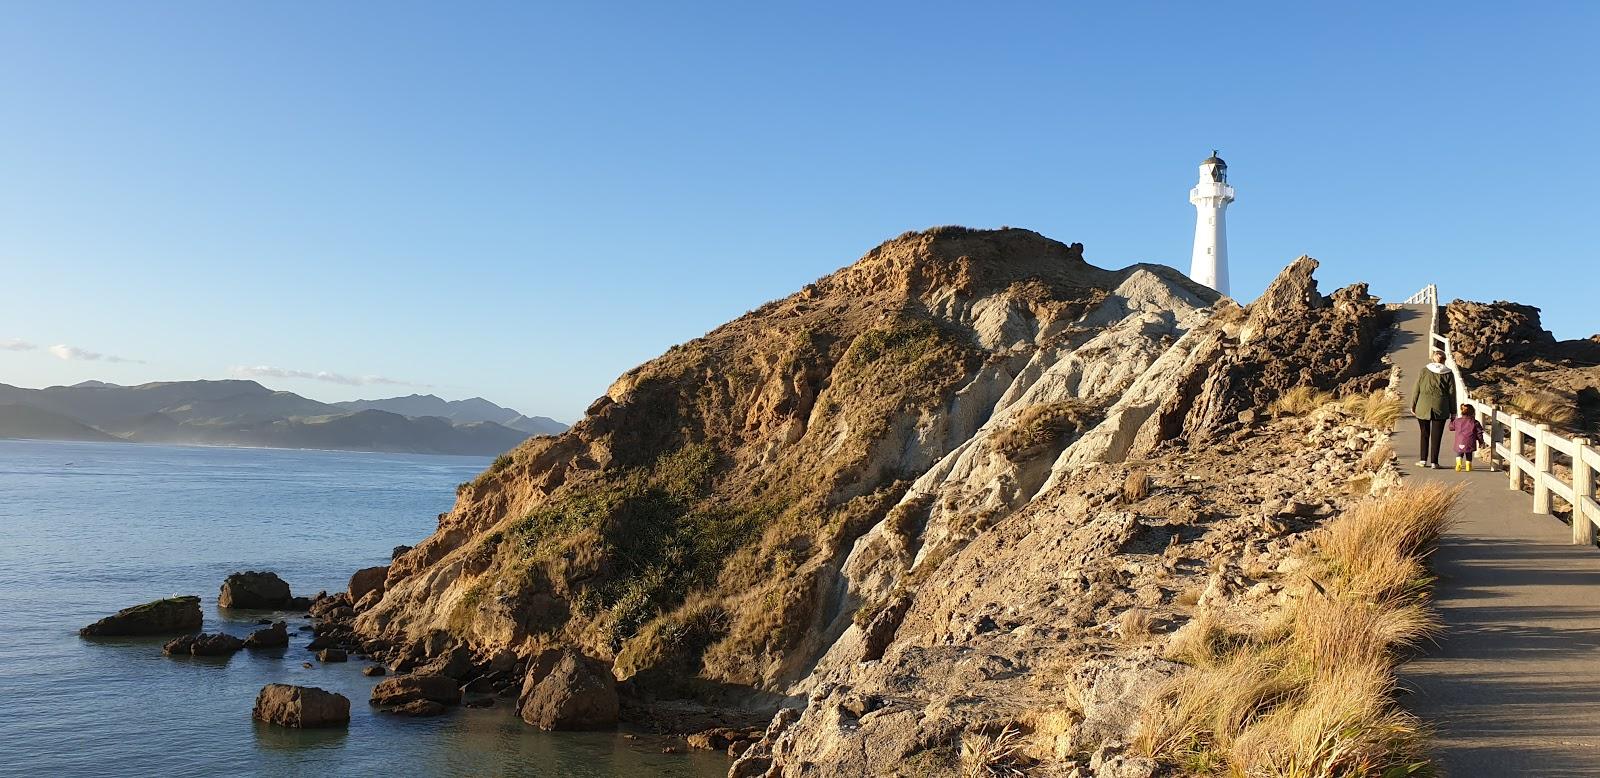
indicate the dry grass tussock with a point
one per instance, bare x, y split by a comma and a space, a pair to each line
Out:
1045, 426
1134, 626
1545, 408
1311, 693
1137, 487
1380, 410
985, 755
1299, 401
1377, 410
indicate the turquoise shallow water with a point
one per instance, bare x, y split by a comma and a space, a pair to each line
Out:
89, 528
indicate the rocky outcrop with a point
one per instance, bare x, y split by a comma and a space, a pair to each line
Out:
1498, 333
1510, 361
219, 644
161, 617
274, 636
570, 692
1292, 336
253, 590
367, 581
301, 707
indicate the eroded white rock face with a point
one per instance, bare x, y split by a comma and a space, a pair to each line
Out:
1127, 358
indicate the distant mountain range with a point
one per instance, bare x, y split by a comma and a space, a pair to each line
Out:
245, 413
472, 409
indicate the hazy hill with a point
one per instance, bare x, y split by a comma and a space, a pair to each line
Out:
245, 413
470, 409
358, 431
23, 421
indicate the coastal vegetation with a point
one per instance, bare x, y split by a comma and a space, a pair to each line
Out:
1311, 692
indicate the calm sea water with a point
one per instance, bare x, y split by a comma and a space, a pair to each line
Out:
89, 528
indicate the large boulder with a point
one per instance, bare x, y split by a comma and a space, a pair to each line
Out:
301, 706
275, 636
368, 580
251, 589
410, 688
161, 617
578, 693
220, 644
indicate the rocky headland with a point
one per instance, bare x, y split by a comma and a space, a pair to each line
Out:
962, 502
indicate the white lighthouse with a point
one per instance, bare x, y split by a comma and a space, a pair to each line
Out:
1211, 196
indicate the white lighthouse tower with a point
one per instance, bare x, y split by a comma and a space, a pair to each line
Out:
1211, 196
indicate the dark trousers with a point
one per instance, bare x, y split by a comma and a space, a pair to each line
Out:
1432, 434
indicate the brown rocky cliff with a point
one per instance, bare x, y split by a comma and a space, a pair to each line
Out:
750, 514
694, 522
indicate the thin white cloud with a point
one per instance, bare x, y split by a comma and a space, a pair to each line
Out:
16, 345
265, 371
73, 353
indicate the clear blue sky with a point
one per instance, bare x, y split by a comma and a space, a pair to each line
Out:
522, 201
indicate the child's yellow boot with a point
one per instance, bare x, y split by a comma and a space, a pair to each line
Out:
1468, 466
1458, 464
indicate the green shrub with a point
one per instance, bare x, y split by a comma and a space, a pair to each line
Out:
658, 534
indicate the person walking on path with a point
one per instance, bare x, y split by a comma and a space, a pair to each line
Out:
1468, 434
1433, 403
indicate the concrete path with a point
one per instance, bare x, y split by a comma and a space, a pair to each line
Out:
1513, 687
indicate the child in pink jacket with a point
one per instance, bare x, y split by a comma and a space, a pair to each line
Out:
1468, 434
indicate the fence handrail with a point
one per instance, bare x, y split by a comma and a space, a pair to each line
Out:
1580, 493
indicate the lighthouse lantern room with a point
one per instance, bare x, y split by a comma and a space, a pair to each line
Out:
1211, 196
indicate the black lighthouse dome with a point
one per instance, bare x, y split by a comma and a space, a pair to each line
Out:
1214, 160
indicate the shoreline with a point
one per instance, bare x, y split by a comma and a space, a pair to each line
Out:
244, 448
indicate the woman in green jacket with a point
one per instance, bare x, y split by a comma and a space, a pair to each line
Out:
1433, 402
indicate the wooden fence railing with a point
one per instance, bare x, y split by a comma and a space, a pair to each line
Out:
1512, 437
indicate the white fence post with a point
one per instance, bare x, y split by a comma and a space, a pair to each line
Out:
1541, 470
1582, 494
1489, 415
1514, 448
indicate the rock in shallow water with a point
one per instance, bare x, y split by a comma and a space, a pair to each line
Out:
220, 644
161, 617
577, 693
275, 636
253, 589
301, 706
333, 655
417, 708
410, 688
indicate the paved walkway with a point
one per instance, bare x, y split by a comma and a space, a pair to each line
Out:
1513, 687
